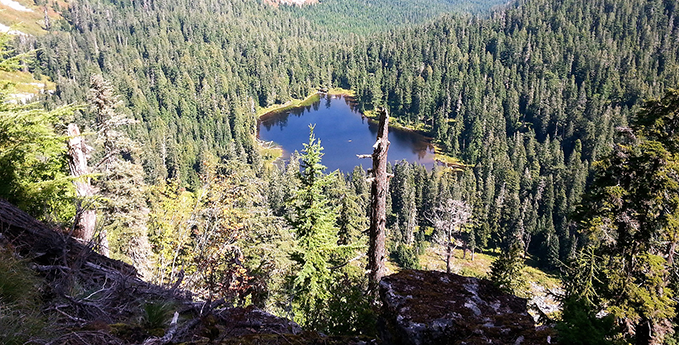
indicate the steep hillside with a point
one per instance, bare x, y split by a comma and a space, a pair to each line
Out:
55, 290
25, 18
528, 99
369, 16
290, 2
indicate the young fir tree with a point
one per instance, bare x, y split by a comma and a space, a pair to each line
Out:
313, 221
403, 201
630, 221
351, 220
506, 272
121, 185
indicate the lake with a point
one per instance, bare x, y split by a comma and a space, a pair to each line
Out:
344, 132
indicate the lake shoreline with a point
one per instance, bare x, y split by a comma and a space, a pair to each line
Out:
439, 157
289, 105
373, 116
264, 113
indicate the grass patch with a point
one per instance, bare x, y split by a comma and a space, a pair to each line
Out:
295, 103
31, 23
25, 83
541, 278
157, 314
391, 267
270, 152
18, 283
480, 267
452, 162
338, 91
20, 316
395, 123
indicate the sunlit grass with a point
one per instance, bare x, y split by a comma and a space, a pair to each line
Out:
394, 122
295, 103
270, 153
431, 259
338, 91
31, 23
24, 82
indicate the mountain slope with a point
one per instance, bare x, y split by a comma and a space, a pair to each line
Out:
369, 16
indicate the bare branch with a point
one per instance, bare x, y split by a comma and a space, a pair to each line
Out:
346, 263
449, 220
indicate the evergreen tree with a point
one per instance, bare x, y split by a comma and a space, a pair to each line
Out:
403, 201
506, 272
351, 221
313, 221
121, 185
629, 221
33, 163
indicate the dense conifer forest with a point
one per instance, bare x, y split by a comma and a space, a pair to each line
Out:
561, 113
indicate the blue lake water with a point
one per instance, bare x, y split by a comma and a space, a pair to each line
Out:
343, 132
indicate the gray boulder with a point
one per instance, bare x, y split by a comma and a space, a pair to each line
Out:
427, 307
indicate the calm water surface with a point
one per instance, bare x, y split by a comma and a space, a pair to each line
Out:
343, 132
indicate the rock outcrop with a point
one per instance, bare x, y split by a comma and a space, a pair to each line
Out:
426, 307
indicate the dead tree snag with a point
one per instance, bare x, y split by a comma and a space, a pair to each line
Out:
78, 152
378, 204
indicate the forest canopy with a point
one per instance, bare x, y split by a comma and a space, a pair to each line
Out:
529, 97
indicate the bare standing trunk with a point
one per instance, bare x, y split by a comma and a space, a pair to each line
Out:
378, 204
450, 219
448, 255
77, 163
47, 19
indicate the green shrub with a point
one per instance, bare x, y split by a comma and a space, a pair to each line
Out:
406, 257
348, 311
157, 314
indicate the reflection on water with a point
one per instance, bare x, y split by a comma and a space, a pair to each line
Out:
344, 133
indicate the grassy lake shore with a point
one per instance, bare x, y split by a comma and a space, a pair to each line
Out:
291, 104
272, 153
299, 103
440, 155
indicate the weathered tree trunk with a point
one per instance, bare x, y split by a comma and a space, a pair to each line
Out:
47, 19
378, 204
449, 254
77, 163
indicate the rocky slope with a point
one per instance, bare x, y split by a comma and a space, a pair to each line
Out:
91, 299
